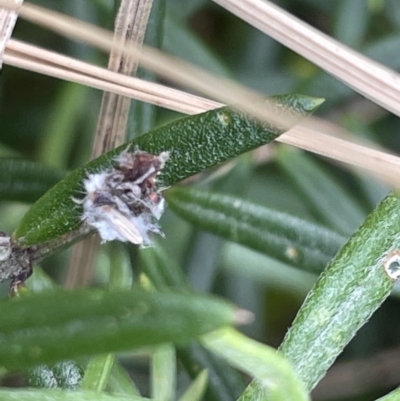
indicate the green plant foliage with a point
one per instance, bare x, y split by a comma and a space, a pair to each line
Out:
352, 287
56, 395
25, 181
210, 237
51, 326
274, 373
224, 383
197, 389
280, 235
326, 198
221, 133
120, 383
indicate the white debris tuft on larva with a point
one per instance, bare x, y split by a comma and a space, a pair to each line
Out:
123, 203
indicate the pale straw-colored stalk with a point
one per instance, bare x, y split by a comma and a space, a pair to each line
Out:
129, 30
33, 58
373, 160
8, 18
311, 138
367, 77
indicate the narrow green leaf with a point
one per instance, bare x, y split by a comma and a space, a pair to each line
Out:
120, 269
195, 143
277, 234
65, 374
392, 396
25, 181
99, 367
254, 392
347, 293
274, 372
58, 137
327, 199
163, 272
351, 22
47, 327
182, 42
196, 390
40, 281
224, 382
163, 373
120, 383
57, 395
97, 373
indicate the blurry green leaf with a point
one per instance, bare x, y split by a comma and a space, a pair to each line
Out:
184, 9
327, 199
163, 272
99, 367
25, 181
47, 327
384, 50
57, 395
253, 392
63, 375
347, 293
163, 373
351, 22
266, 271
58, 138
39, 281
392, 396
282, 236
225, 383
181, 42
196, 390
272, 371
392, 12
195, 143
120, 383
97, 373
120, 269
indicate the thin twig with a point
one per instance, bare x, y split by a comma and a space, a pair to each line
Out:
8, 18
226, 91
385, 87
130, 28
381, 164
376, 82
33, 58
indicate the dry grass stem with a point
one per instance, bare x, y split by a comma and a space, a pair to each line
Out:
386, 165
371, 79
33, 58
223, 90
130, 28
380, 163
8, 18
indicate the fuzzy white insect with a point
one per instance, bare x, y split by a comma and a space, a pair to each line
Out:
123, 203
